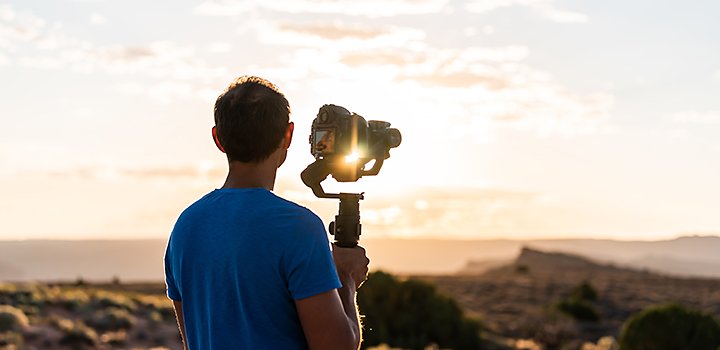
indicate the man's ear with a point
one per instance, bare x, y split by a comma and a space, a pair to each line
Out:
217, 141
288, 135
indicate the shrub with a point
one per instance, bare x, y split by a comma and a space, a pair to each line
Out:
73, 299
580, 310
156, 305
103, 299
19, 295
670, 326
115, 339
77, 334
522, 269
579, 304
12, 319
11, 340
111, 319
585, 291
60, 323
411, 314
7, 293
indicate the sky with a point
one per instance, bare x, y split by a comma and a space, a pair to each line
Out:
520, 118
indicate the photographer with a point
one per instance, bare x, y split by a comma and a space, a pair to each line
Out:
247, 269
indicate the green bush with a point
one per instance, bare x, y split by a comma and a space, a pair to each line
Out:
12, 319
411, 314
580, 310
579, 304
111, 319
103, 299
19, 295
77, 335
670, 327
72, 299
585, 291
152, 304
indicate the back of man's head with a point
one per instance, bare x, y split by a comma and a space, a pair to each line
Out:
251, 118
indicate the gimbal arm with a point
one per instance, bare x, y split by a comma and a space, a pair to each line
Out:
346, 228
314, 174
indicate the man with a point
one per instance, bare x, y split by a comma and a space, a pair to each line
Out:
247, 269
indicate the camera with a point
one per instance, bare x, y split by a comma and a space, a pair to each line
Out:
343, 145
348, 142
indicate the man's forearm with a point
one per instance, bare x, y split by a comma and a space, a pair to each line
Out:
348, 298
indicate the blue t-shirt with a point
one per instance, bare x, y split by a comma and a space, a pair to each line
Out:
237, 259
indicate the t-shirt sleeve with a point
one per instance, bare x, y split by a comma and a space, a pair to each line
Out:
310, 267
172, 289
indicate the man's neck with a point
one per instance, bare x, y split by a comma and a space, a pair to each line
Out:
251, 175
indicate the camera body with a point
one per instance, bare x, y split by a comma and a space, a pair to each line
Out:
347, 142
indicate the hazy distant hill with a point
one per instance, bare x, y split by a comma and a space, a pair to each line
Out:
571, 266
519, 299
141, 260
692, 256
137, 260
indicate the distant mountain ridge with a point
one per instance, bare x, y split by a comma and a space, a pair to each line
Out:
536, 259
518, 296
561, 264
141, 260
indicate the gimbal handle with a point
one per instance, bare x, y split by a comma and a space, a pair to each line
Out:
346, 228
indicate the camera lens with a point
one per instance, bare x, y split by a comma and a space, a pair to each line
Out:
393, 137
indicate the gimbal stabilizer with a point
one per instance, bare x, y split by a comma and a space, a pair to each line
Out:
343, 143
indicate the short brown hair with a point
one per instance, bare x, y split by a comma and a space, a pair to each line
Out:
251, 117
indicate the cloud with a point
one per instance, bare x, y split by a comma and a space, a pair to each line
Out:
339, 35
6, 12
481, 87
697, 117
545, 8
368, 8
333, 31
97, 19
220, 47
563, 16
165, 92
176, 172
155, 60
18, 28
174, 70
113, 173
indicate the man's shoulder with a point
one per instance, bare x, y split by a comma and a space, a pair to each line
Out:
298, 215
260, 202
295, 207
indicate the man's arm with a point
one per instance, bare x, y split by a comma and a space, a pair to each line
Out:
177, 305
330, 320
